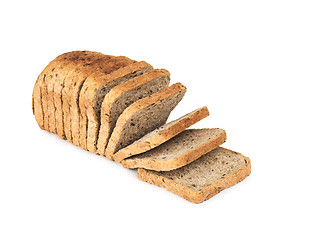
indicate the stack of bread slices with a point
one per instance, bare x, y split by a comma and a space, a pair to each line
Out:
117, 107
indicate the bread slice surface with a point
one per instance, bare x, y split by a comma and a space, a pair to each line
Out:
161, 134
143, 116
179, 151
93, 93
202, 179
123, 95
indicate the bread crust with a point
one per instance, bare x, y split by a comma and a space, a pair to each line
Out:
72, 83
174, 90
108, 115
189, 194
54, 76
177, 162
55, 96
162, 135
112, 63
97, 85
38, 98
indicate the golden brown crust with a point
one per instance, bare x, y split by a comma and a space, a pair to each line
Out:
96, 83
73, 61
75, 75
54, 76
90, 118
136, 107
162, 136
37, 102
115, 63
107, 121
177, 162
189, 194
38, 88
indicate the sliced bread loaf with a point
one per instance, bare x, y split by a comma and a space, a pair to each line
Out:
56, 74
203, 178
110, 65
73, 85
92, 96
71, 73
179, 151
37, 98
161, 134
143, 116
73, 62
122, 96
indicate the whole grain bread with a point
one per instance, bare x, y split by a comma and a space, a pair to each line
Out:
110, 65
37, 97
161, 134
179, 151
78, 69
56, 75
203, 178
143, 116
123, 95
72, 89
93, 94
73, 62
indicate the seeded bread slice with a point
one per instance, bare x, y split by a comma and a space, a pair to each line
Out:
37, 98
203, 178
144, 116
123, 95
92, 96
179, 151
161, 134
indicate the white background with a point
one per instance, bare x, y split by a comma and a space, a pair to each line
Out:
259, 66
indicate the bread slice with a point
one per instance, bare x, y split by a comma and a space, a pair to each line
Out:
37, 97
203, 178
144, 116
123, 95
92, 96
179, 151
161, 134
